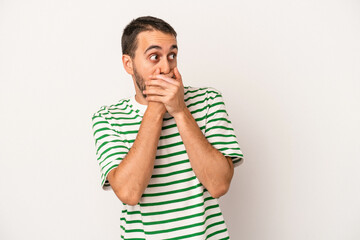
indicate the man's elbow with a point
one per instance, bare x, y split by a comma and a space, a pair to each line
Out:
127, 198
220, 190
124, 193
130, 201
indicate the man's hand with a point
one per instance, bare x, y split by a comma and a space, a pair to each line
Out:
156, 106
168, 91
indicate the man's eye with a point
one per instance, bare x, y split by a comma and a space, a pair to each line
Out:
154, 57
172, 56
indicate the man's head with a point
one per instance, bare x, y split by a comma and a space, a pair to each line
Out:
129, 38
149, 47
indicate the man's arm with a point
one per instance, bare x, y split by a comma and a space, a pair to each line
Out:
211, 167
130, 178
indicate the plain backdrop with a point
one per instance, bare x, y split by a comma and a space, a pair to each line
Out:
289, 72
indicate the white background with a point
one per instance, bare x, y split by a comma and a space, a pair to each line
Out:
289, 72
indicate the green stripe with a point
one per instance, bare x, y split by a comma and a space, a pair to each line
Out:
96, 115
225, 149
199, 102
116, 107
169, 211
171, 192
199, 110
171, 154
220, 143
164, 212
132, 238
108, 149
219, 119
179, 228
171, 183
111, 135
106, 173
180, 143
99, 122
102, 129
225, 238
172, 201
221, 135
196, 95
217, 232
121, 118
172, 164
113, 154
173, 219
170, 145
192, 91
170, 136
216, 112
200, 94
216, 103
132, 230
221, 127
198, 233
128, 132
235, 154
126, 124
113, 141
171, 173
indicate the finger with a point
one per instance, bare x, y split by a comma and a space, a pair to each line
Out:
154, 98
155, 91
162, 83
177, 74
162, 77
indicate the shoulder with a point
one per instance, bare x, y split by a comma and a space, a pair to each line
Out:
207, 91
206, 95
107, 110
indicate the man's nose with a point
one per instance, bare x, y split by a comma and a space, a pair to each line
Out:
165, 67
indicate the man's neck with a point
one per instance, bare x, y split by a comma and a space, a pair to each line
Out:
140, 99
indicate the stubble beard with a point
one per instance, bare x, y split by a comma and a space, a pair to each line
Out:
139, 82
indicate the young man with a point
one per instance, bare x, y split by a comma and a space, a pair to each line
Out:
169, 151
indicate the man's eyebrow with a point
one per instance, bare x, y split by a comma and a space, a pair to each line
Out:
158, 47
152, 47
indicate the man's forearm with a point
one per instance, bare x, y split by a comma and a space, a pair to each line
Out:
211, 167
133, 174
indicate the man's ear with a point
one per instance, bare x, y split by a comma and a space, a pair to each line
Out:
128, 64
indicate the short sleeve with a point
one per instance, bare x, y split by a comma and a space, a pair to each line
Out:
110, 146
219, 130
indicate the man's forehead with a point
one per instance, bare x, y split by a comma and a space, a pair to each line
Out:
155, 38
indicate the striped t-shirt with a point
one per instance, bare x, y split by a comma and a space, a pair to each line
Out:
175, 205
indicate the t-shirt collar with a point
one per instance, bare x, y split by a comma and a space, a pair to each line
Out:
142, 108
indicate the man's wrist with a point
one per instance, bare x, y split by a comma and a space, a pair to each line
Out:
182, 115
157, 107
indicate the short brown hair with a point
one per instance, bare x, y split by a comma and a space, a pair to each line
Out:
138, 25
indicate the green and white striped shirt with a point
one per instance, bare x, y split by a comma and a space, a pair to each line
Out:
175, 205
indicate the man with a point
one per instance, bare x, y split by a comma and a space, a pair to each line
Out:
169, 151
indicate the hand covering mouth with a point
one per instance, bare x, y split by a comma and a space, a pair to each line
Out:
170, 76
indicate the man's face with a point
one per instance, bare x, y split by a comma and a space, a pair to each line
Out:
155, 51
